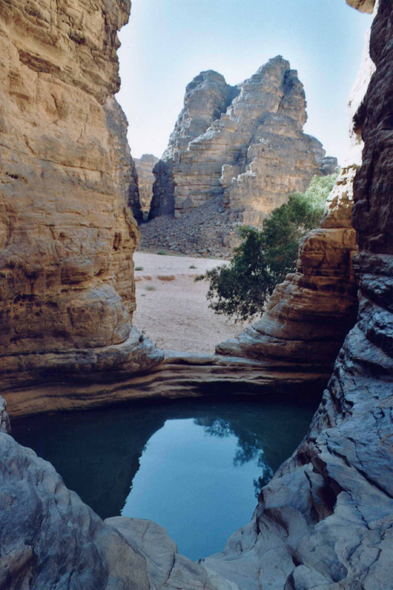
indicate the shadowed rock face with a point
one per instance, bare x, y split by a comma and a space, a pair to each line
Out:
144, 167
206, 98
325, 521
242, 143
328, 511
4, 420
67, 234
53, 540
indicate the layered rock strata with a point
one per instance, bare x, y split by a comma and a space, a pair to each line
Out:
128, 180
246, 145
325, 521
144, 168
309, 315
328, 511
206, 98
180, 375
67, 234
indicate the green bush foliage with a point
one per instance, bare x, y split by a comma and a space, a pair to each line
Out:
263, 259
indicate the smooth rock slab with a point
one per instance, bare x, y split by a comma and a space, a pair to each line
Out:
49, 539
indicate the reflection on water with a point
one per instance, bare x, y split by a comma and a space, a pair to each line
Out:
192, 466
250, 448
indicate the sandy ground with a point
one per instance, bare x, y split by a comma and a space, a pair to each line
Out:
174, 313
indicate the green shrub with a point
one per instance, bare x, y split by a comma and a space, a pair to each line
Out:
266, 256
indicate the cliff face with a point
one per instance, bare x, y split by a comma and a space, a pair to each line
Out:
144, 167
67, 234
206, 98
309, 315
328, 511
246, 145
325, 520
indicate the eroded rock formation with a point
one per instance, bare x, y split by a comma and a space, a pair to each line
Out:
325, 521
243, 143
328, 511
53, 539
4, 420
144, 167
127, 175
309, 315
67, 233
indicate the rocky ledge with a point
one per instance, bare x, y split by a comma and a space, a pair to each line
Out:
179, 375
325, 521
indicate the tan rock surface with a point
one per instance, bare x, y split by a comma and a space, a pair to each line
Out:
67, 234
309, 315
250, 150
362, 5
325, 520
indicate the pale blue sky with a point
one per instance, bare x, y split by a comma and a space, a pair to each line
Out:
168, 42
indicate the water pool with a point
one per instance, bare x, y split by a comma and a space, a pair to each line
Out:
194, 467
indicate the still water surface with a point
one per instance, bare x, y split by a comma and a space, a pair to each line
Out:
194, 467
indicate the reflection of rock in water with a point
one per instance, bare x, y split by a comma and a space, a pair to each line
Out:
250, 446
98, 452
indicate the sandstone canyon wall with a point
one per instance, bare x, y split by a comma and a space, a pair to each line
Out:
328, 512
309, 315
244, 144
325, 521
67, 234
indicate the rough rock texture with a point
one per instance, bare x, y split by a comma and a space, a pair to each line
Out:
362, 5
4, 420
179, 375
309, 315
127, 175
206, 98
67, 234
49, 539
326, 519
204, 231
166, 568
246, 146
144, 167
